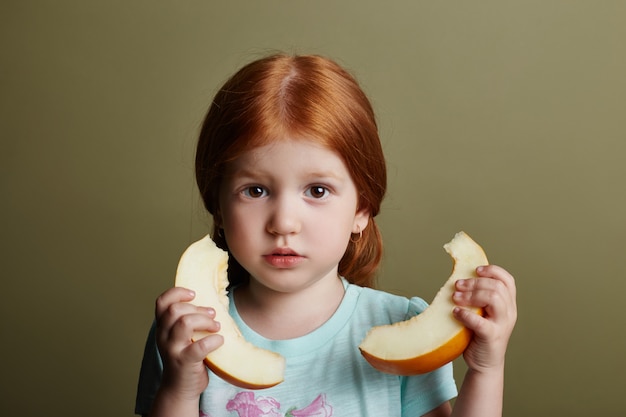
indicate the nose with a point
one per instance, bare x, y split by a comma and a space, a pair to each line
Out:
284, 218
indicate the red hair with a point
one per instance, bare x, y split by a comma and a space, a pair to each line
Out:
308, 97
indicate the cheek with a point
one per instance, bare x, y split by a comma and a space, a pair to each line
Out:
236, 226
333, 235
240, 243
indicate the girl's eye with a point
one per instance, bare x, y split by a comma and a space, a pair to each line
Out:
254, 192
317, 191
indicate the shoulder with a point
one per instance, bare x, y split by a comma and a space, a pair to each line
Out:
383, 306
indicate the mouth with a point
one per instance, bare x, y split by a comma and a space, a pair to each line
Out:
284, 252
283, 258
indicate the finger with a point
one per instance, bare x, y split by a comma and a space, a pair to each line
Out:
486, 293
199, 349
188, 325
480, 285
173, 313
182, 320
510, 296
178, 323
504, 287
498, 273
486, 299
171, 296
470, 319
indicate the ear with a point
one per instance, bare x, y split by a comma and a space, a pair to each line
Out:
217, 219
361, 220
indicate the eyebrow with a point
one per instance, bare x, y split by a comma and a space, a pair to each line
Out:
328, 174
246, 172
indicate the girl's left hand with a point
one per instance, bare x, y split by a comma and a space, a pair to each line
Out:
494, 291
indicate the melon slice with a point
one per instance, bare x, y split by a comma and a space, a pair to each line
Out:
434, 337
202, 268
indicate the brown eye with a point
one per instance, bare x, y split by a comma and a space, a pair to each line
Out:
254, 192
317, 191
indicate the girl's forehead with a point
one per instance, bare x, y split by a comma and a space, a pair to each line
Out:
290, 155
294, 146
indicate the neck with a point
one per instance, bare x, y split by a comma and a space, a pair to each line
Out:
287, 315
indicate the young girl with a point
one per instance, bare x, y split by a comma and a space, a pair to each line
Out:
290, 165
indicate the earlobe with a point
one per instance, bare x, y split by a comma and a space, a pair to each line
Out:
360, 233
217, 220
218, 227
361, 220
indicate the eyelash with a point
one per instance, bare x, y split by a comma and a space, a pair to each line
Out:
248, 191
256, 191
324, 190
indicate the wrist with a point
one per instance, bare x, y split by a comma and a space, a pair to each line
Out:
169, 402
491, 378
182, 388
489, 371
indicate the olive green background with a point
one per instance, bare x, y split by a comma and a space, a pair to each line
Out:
505, 119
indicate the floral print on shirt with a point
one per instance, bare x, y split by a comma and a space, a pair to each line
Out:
245, 404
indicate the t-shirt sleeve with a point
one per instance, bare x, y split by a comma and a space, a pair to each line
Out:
416, 306
423, 393
149, 375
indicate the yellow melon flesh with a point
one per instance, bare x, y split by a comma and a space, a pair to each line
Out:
202, 268
433, 338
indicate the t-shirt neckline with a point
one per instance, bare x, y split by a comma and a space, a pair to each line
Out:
291, 348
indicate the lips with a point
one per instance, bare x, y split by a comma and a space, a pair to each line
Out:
283, 258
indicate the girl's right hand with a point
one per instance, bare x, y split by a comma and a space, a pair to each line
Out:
184, 373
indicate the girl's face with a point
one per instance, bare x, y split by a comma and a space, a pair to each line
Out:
288, 210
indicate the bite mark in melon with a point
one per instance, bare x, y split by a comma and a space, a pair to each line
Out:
202, 268
434, 337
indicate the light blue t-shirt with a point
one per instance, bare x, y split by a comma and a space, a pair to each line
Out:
325, 374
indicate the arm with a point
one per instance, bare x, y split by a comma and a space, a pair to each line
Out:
482, 391
184, 373
481, 394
